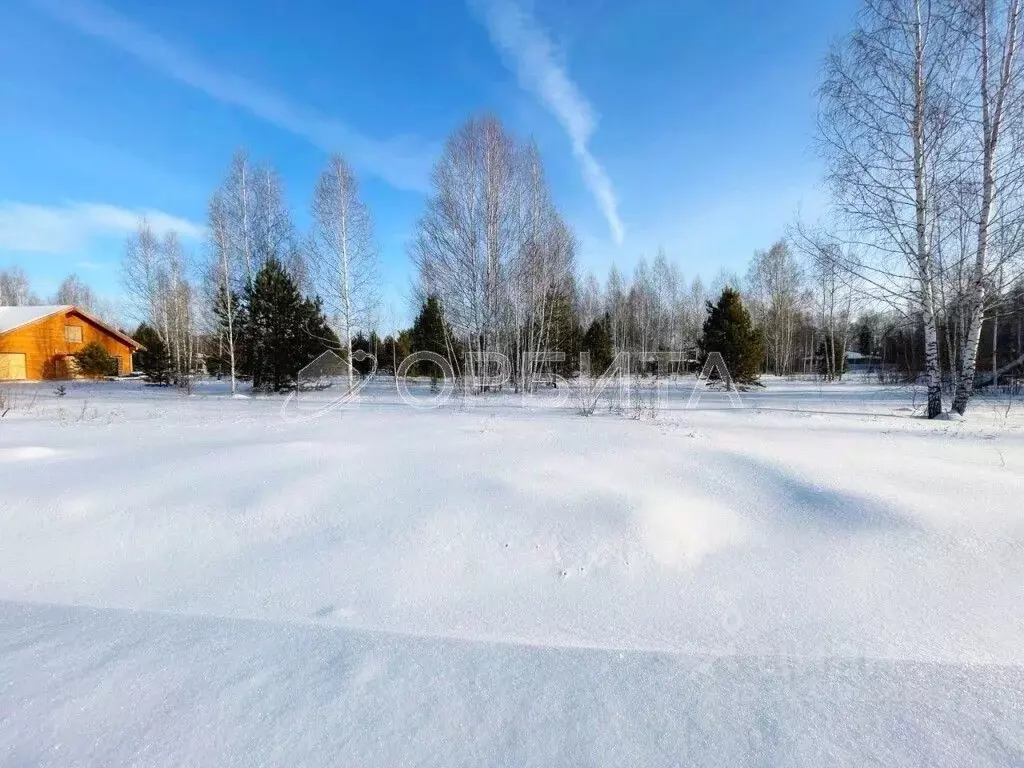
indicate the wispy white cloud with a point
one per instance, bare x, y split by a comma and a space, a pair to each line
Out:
403, 161
527, 49
69, 229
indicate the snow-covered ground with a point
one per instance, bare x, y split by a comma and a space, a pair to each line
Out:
818, 578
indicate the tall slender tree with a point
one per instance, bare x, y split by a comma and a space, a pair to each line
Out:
344, 252
995, 108
223, 269
886, 109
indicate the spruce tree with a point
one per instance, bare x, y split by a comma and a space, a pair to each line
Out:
866, 339
564, 334
282, 331
430, 333
728, 330
317, 335
394, 350
598, 342
153, 359
371, 345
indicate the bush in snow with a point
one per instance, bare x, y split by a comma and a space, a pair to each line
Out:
94, 360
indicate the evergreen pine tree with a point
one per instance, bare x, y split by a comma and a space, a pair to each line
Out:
564, 334
598, 342
430, 333
394, 350
371, 345
282, 331
403, 345
153, 359
317, 335
866, 339
728, 330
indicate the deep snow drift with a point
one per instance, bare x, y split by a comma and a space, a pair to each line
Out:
818, 578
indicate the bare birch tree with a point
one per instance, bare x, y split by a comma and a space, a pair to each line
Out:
239, 210
273, 232
540, 275
223, 281
141, 277
495, 250
177, 297
72, 290
591, 301
616, 307
156, 276
993, 103
344, 253
886, 114
471, 231
668, 282
15, 290
774, 287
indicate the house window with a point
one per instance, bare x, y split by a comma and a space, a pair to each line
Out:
73, 334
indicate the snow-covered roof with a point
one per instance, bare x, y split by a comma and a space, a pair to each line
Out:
854, 357
15, 317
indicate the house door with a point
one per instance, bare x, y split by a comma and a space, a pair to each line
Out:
12, 366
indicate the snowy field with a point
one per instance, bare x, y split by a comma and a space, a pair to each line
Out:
818, 578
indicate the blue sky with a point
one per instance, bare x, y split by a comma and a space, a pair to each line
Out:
687, 125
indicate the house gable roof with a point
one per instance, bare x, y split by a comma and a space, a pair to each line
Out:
12, 318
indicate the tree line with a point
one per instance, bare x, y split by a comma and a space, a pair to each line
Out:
262, 299
496, 268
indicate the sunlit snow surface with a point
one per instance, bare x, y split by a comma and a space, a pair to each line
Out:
816, 579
